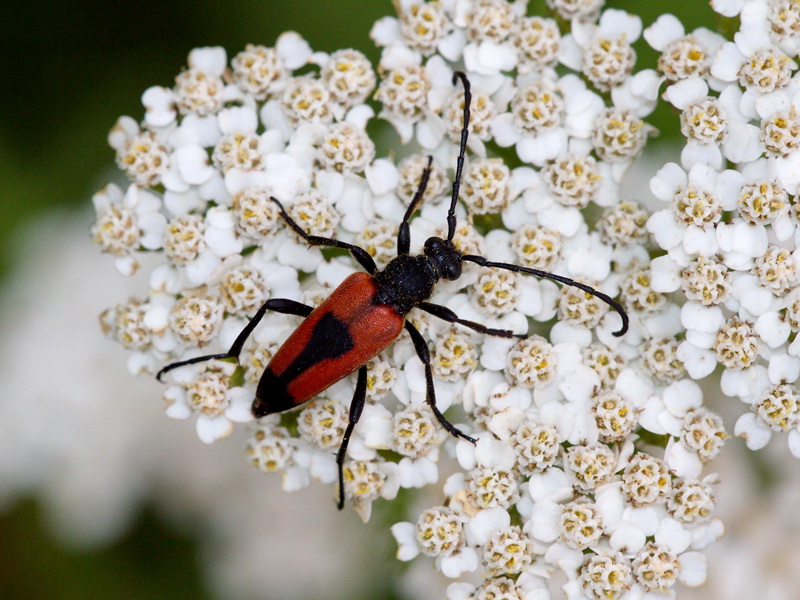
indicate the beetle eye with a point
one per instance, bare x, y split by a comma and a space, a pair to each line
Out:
454, 270
432, 243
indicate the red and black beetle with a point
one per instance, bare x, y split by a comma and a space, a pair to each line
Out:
367, 312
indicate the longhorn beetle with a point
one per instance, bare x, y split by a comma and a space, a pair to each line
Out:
367, 312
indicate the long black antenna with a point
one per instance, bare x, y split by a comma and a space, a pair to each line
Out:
480, 260
451, 214
404, 233
561, 279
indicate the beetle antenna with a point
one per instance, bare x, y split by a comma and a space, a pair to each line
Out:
451, 213
480, 260
423, 184
404, 233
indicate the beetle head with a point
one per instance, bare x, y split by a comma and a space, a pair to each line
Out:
444, 257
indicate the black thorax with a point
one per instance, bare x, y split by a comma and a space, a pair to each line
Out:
409, 280
405, 282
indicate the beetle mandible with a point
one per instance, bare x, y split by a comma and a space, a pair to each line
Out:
366, 313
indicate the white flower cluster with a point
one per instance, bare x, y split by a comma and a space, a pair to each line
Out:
729, 225
591, 448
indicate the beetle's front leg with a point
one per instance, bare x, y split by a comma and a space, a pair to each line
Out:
361, 255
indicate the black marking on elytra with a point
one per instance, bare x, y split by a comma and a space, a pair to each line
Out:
271, 396
330, 338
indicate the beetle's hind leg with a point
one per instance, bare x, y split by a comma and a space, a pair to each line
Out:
430, 397
279, 305
356, 407
361, 255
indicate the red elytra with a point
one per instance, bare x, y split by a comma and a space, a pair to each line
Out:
338, 337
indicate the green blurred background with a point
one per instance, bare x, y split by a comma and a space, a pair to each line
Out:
70, 69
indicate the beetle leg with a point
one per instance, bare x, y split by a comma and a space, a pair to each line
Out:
448, 315
430, 397
356, 406
404, 234
361, 255
279, 305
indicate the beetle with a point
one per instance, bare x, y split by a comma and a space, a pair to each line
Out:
366, 313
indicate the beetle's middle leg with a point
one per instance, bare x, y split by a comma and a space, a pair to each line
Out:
279, 305
444, 313
425, 356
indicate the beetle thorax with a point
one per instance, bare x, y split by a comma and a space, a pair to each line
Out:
405, 282
408, 280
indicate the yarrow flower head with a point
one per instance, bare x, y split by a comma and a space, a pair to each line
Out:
581, 451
